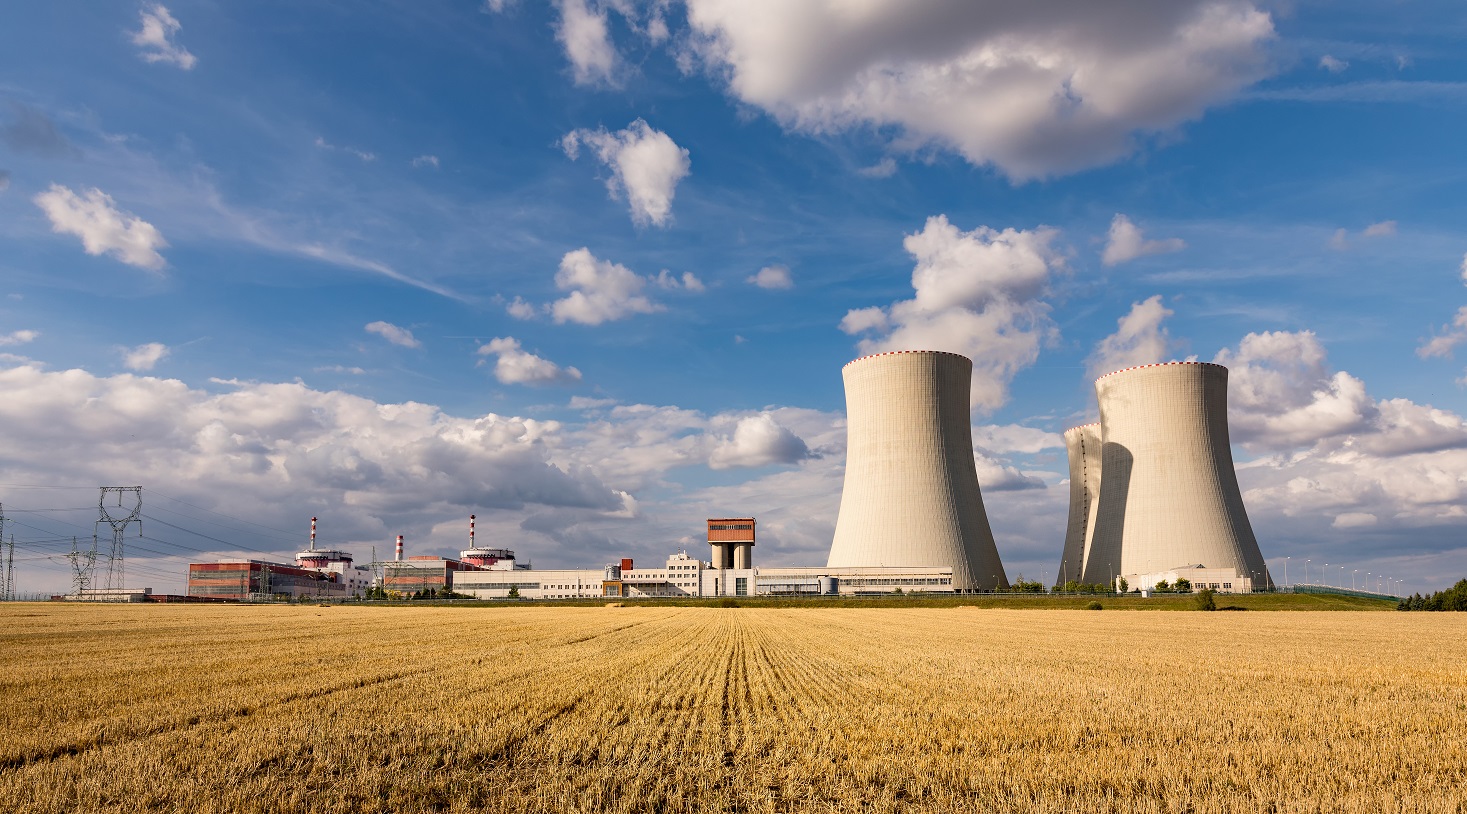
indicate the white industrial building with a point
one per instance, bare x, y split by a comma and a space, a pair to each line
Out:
685, 576
911, 498
1168, 492
1221, 580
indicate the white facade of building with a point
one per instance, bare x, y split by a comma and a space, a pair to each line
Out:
685, 576
1222, 580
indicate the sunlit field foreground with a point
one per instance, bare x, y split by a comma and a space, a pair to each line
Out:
304, 709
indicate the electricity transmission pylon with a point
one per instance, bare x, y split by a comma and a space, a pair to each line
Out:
118, 518
81, 567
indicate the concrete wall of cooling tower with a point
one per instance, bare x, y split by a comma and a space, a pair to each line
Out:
1169, 496
911, 492
1083, 445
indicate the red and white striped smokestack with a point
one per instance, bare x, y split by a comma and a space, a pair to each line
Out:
399, 548
471, 531
313, 534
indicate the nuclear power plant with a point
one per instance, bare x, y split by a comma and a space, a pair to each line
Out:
911, 496
1153, 497
1169, 503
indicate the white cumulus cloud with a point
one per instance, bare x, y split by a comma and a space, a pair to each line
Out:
18, 337
144, 357
1281, 393
1140, 339
519, 309
1450, 337
1125, 243
155, 37
646, 166
393, 334
687, 281
600, 290
758, 440
978, 293
1035, 89
514, 365
581, 30
1333, 64
102, 227
773, 278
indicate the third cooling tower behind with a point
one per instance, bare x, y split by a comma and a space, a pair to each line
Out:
1083, 445
911, 493
1168, 494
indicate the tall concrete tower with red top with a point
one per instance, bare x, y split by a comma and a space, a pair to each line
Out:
911, 493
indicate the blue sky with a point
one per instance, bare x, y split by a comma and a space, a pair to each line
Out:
591, 269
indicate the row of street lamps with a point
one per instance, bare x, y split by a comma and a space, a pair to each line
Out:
1383, 584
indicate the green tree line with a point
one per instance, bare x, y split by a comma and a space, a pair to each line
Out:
1452, 599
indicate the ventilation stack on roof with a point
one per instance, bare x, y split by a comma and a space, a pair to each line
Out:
1083, 445
1169, 494
911, 494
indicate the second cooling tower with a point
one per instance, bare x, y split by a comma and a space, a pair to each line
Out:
1169, 496
911, 492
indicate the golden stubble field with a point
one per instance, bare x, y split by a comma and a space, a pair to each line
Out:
306, 709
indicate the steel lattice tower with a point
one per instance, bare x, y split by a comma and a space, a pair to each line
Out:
118, 521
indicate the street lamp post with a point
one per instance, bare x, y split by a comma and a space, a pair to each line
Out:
1286, 570
1306, 571
1353, 573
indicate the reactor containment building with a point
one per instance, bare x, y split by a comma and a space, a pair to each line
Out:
1162, 494
911, 496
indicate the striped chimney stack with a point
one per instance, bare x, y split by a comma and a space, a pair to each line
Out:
313, 534
471, 531
399, 548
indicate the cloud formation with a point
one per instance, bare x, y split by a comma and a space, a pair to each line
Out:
582, 33
646, 166
758, 440
1035, 89
687, 281
978, 293
144, 357
1448, 338
102, 227
772, 278
1340, 240
18, 337
1125, 243
1139, 339
392, 333
513, 365
600, 290
155, 38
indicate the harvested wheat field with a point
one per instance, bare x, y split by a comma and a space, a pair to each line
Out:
306, 709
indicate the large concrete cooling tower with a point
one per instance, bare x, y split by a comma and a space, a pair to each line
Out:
1083, 445
911, 494
1169, 496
